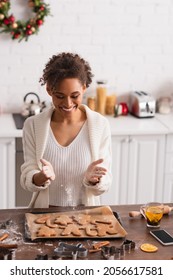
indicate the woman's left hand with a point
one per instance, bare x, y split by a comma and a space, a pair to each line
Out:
95, 172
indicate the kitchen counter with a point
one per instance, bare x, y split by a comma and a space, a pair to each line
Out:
121, 125
130, 125
166, 120
135, 227
7, 127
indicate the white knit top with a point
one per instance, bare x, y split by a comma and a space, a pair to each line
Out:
35, 136
70, 164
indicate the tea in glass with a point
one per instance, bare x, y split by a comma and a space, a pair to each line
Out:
154, 214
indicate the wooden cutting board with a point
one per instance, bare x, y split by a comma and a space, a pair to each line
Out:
98, 222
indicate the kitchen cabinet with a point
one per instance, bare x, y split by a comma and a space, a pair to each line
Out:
168, 178
7, 164
137, 168
142, 161
22, 197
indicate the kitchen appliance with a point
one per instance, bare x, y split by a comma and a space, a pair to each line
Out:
32, 108
121, 109
142, 104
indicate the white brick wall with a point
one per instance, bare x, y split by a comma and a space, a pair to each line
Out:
127, 42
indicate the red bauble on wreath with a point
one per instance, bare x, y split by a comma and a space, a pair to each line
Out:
23, 29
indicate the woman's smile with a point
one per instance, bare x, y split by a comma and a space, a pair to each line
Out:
67, 96
70, 109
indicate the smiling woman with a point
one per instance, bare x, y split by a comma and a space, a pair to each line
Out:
67, 148
68, 94
22, 29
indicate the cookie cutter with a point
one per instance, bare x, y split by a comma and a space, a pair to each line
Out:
5, 224
5, 254
42, 257
65, 250
128, 245
113, 252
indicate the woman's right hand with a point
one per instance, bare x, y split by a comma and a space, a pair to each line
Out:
47, 169
45, 175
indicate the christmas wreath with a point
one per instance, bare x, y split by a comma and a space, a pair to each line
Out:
23, 29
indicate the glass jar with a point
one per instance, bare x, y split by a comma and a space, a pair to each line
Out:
101, 94
110, 104
164, 105
91, 102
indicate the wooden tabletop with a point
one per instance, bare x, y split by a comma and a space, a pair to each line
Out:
136, 228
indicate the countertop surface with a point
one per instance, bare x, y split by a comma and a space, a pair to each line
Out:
136, 229
167, 120
121, 125
7, 127
130, 125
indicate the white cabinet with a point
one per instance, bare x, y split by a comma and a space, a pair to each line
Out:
137, 168
7, 167
168, 179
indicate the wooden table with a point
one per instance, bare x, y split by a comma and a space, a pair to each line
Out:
135, 227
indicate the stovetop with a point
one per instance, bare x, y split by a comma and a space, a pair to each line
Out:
19, 120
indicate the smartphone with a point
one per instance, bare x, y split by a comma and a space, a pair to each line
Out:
162, 236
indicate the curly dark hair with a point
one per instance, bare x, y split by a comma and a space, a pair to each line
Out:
66, 65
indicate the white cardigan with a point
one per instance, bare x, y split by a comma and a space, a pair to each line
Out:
35, 135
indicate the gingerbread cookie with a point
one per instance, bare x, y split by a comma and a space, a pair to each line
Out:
63, 220
45, 231
42, 220
90, 231
71, 229
50, 224
103, 229
82, 219
101, 220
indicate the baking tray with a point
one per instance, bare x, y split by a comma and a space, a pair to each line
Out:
99, 218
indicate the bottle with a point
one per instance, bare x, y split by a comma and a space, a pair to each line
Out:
101, 94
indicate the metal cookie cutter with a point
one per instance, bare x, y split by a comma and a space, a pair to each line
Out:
5, 224
5, 254
70, 251
128, 245
112, 252
42, 257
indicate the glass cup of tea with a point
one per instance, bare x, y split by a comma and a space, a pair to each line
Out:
153, 214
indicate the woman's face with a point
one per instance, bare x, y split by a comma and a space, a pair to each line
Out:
67, 96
